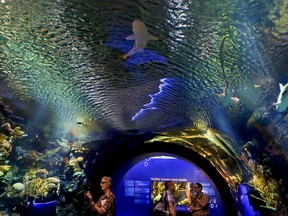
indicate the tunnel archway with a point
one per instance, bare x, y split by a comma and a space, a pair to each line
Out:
141, 186
118, 159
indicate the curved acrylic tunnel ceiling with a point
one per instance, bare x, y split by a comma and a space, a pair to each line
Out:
62, 59
67, 81
213, 147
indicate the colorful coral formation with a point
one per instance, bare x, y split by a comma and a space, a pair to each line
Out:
27, 171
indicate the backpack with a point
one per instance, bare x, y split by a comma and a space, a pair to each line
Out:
160, 208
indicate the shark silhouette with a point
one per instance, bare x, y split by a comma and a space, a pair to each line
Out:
141, 37
282, 101
226, 96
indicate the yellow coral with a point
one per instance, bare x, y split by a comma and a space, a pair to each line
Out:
39, 187
33, 187
3, 137
18, 133
4, 168
265, 185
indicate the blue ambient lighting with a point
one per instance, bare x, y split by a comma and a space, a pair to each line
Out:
150, 106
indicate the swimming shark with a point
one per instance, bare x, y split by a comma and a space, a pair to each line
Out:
141, 37
226, 96
282, 101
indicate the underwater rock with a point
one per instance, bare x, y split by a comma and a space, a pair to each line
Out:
18, 186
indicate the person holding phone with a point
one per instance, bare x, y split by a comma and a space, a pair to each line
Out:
198, 201
106, 205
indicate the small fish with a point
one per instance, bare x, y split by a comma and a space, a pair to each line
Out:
282, 101
226, 96
141, 37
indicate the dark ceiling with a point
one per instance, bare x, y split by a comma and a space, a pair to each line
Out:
62, 68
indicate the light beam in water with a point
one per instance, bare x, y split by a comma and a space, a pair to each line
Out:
151, 105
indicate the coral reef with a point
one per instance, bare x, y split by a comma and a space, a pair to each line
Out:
31, 170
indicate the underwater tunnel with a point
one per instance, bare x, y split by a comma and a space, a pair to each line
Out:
128, 88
